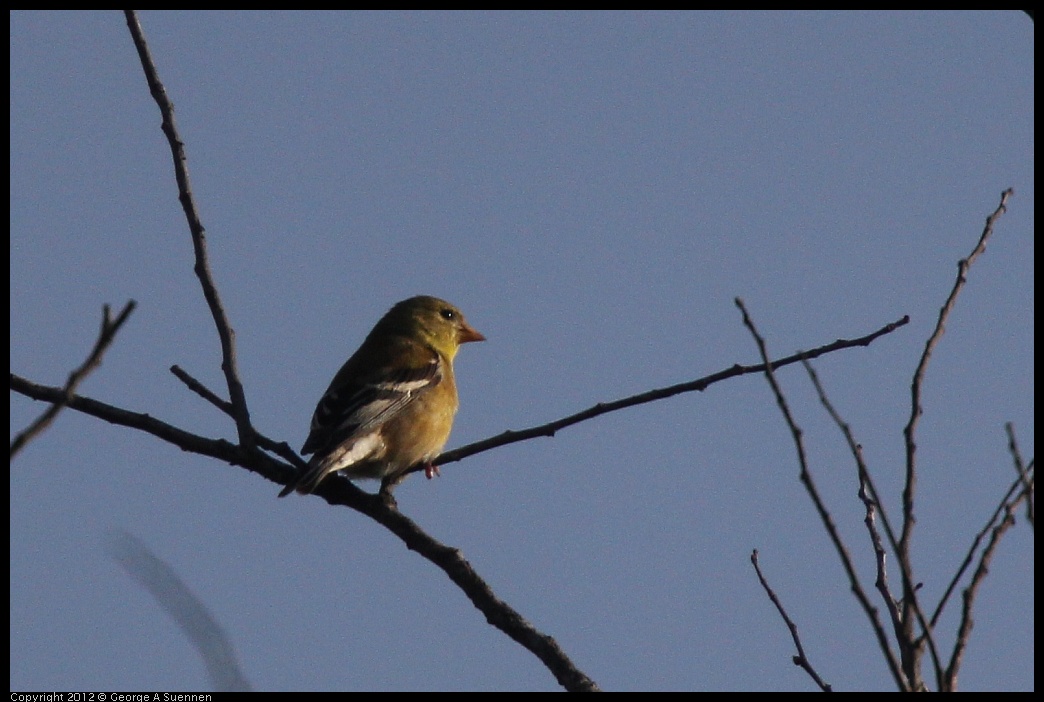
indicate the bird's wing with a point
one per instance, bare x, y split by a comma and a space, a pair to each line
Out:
360, 406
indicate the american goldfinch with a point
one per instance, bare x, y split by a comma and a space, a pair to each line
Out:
391, 405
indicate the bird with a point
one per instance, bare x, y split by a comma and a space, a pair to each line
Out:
391, 405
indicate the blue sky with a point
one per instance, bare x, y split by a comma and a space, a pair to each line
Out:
593, 190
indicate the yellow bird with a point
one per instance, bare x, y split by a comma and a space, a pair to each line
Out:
391, 405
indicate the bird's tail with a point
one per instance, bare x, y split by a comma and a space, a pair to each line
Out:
306, 481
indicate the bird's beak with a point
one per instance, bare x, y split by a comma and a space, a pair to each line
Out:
467, 333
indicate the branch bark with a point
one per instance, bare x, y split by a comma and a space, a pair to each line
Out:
109, 327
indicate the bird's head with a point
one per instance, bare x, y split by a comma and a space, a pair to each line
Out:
438, 322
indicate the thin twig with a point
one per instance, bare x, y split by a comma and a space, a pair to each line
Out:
109, 327
872, 503
1006, 521
199, 235
202, 390
824, 514
700, 384
1009, 496
1021, 469
800, 659
169, 433
868, 495
280, 448
911, 658
186, 441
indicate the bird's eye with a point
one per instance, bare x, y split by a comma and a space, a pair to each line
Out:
448, 314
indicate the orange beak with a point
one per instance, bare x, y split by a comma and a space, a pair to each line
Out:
467, 333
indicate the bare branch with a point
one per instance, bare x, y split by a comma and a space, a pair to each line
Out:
1007, 509
343, 492
452, 562
281, 448
109, 327
700, 384
909, 601
872, 504
1021, 469
1010, 497
497, 612
340, 491
186, 441
868, 495
824, 514
800, 659
199, 235
202, 390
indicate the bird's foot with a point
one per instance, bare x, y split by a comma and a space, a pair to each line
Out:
385, 493
431, 470
387, 498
